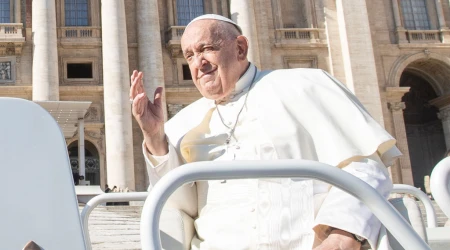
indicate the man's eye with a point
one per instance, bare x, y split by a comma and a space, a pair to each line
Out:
189, 57
207, 48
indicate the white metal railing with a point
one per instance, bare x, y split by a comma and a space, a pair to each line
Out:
423, 36
80, 32
11, 30
298, 34
97, 200
175, 32
382, 209
417, 193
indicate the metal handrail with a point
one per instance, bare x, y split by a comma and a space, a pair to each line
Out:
385, 212
429, 209
102, 198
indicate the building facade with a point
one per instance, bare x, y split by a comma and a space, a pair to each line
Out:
393, 54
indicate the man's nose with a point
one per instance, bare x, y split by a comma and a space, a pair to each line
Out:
199, 60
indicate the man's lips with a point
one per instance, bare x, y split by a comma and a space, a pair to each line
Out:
207, 73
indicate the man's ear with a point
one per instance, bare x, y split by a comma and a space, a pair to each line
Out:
242, 45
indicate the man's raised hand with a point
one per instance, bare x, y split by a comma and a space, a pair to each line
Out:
150, 116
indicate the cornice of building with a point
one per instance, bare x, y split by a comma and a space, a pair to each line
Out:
81, 90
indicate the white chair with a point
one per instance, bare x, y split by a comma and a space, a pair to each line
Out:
439, 237
152, 211
440, 185
38, 201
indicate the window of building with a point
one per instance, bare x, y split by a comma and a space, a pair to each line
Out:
294, 13
186, 73
79, 70
188, 10
76, 12
415, 14
184, 76
5, 11
292, 62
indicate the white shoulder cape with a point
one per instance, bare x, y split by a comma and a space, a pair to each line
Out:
307, 114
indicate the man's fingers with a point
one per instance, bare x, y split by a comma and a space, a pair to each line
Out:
156, 107
139, 103
140, 83
133, 75
137, 86
158, 97
133, 84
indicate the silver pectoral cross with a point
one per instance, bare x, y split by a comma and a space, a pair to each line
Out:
231, 134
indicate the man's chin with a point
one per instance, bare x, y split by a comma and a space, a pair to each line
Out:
213, 96
210, 90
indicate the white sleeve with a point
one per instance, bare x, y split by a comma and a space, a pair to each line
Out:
158, 166
342, 210
185, 197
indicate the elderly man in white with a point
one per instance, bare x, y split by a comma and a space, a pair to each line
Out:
247, 114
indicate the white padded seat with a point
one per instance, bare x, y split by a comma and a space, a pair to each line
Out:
40, 202
176, 229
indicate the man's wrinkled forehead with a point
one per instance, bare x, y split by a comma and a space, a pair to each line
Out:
198, 32
215, 17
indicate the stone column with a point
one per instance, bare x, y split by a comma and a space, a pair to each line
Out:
170, 13
149, 46
445, 32
81, 156
118, 129
403, 166
224, 8
242, 12
95, 10
396, 10
400, 30
334, 42
45, 54
309, 14
17, 12
214, 7
358, 60
401, 171
443, 104
440, 14
444, 115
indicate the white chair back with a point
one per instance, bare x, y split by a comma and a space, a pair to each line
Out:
38, 201
440, 185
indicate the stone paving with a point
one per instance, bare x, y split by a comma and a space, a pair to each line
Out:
441, 217
117, 227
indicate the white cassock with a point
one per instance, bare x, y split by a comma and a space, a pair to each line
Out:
288, 114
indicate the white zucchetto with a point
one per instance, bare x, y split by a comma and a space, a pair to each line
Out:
215, 17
